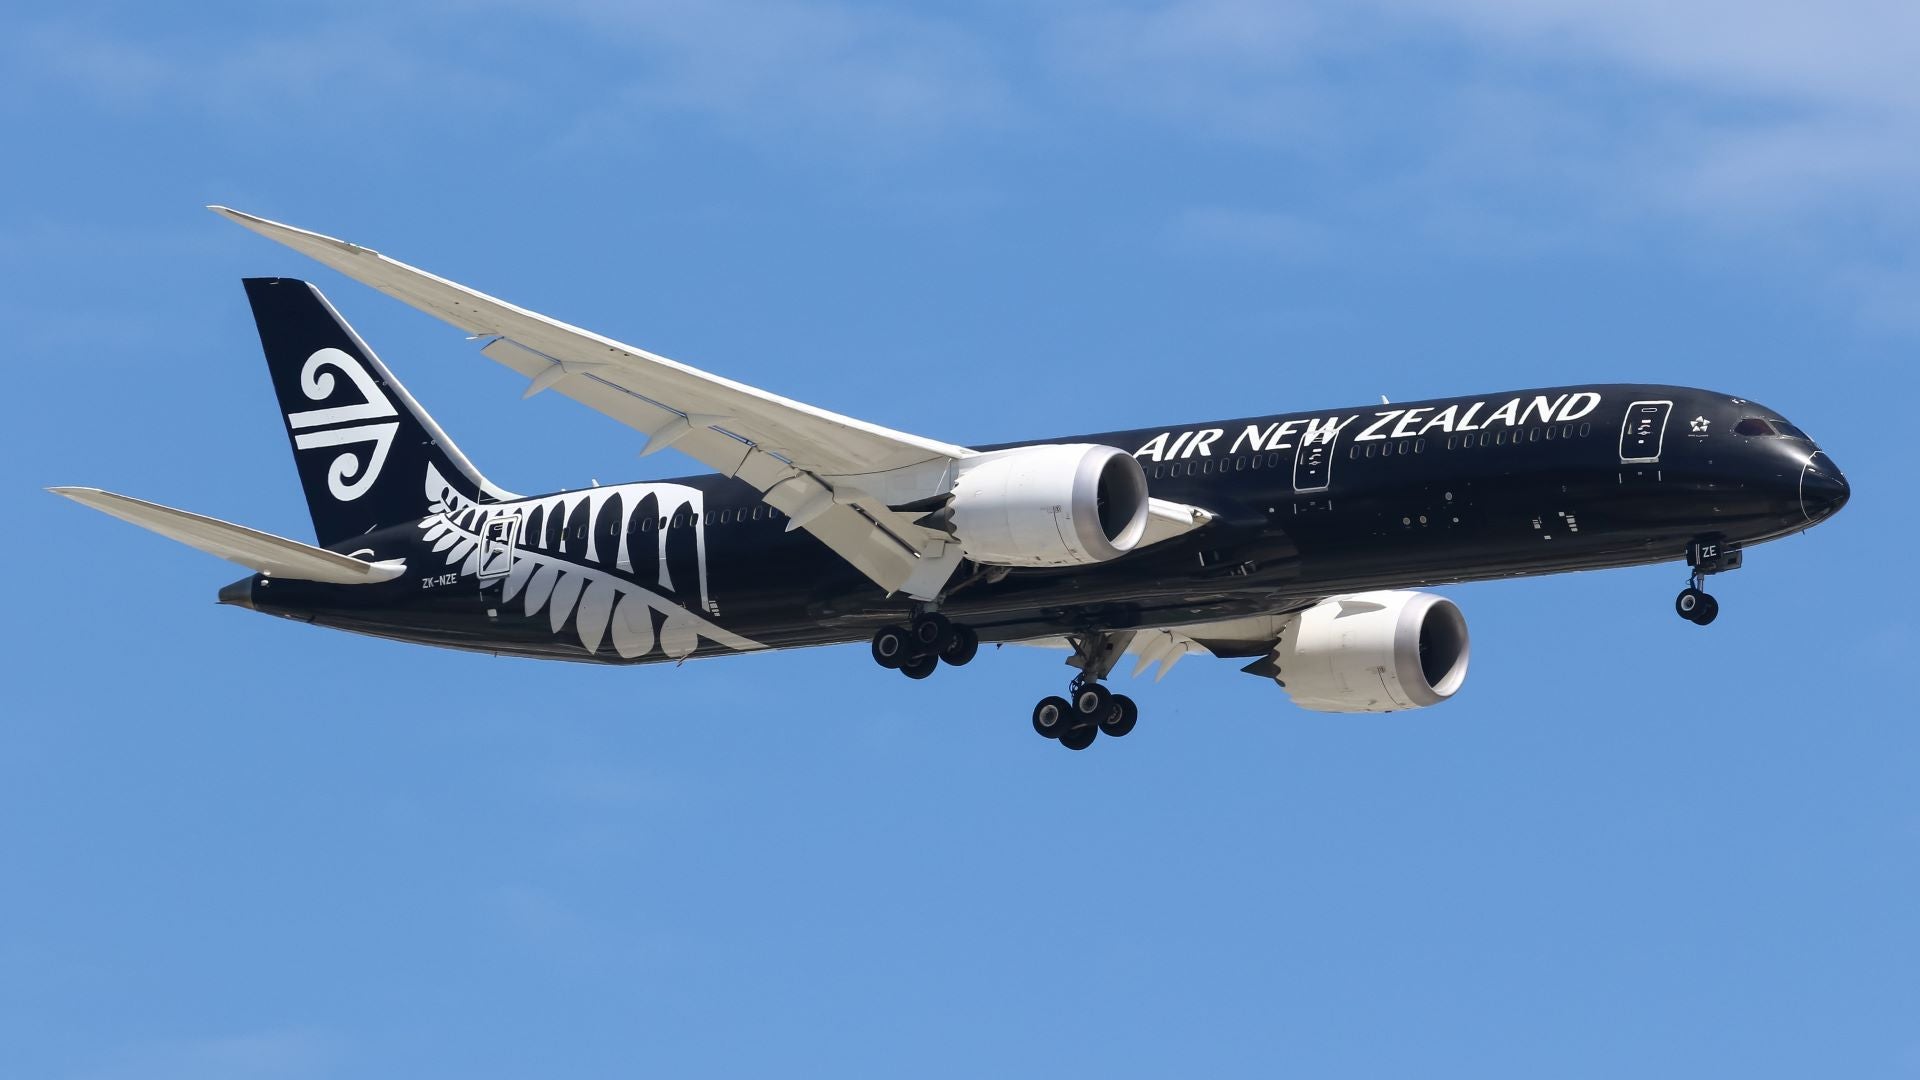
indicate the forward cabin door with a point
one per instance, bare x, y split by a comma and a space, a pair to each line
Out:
1313, 471
1643, 431
1642, 434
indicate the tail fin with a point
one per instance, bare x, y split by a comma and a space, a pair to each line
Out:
368, 454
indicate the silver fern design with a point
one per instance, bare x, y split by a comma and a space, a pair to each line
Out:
583, 555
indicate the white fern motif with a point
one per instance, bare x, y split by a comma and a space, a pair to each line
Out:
607, 608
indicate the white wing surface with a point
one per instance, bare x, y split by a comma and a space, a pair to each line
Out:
262, 553
833, 475
830, 474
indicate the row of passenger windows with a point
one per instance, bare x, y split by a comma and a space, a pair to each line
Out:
1502, 437
760, 512
1203, 466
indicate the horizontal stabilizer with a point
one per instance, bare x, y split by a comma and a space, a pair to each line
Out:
260, 552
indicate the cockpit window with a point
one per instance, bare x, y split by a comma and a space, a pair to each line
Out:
1755, 425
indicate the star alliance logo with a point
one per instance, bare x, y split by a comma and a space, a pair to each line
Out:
1699, 425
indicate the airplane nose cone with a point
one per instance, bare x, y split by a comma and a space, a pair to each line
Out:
1823, 489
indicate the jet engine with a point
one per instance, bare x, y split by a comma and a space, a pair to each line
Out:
1061, 504
1372, 652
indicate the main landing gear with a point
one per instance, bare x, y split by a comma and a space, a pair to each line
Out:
1089, 709
1705, 557
922, 645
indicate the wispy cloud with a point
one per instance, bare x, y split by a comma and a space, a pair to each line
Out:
1237, 68
1503, 127
1261, 232
344, 66
287, 1053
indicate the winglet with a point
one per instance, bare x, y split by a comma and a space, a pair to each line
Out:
298, 239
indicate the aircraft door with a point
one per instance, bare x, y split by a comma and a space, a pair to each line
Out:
497, 543
1313, 462
1643, 431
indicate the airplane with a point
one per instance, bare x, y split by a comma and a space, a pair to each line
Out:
1299, 542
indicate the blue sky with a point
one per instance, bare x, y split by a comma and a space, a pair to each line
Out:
236, 847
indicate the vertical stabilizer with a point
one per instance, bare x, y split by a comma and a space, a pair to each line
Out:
369, 456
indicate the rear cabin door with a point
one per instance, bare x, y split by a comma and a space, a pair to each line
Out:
496, 547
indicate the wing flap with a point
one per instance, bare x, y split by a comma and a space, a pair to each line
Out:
260, 552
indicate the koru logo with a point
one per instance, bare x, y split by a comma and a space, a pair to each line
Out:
348, 477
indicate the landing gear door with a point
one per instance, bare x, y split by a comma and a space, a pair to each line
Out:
1642, 432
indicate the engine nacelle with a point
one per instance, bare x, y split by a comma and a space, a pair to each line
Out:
1060, 504
1373, 652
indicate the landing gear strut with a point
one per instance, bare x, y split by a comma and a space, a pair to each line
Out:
922, 645
1089, 709
1709, 556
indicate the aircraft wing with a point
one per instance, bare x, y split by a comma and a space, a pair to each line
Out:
833, 475
262, 553
830, 474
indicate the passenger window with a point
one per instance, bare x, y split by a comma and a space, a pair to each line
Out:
1255, 463
1273, 461
1533, 434
1499, 438
1419, 446
1486, 438
1585, 429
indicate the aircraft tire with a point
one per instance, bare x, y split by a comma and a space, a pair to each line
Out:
919, 667
1687, 604
1092, 701
932, 632
1050, 717
1121, 716
892, 647
1707, 611
962, 648
1080, 736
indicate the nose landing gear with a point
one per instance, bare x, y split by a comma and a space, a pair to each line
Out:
1696, 606
1709, 556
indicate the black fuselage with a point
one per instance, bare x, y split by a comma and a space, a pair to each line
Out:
1306, 505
